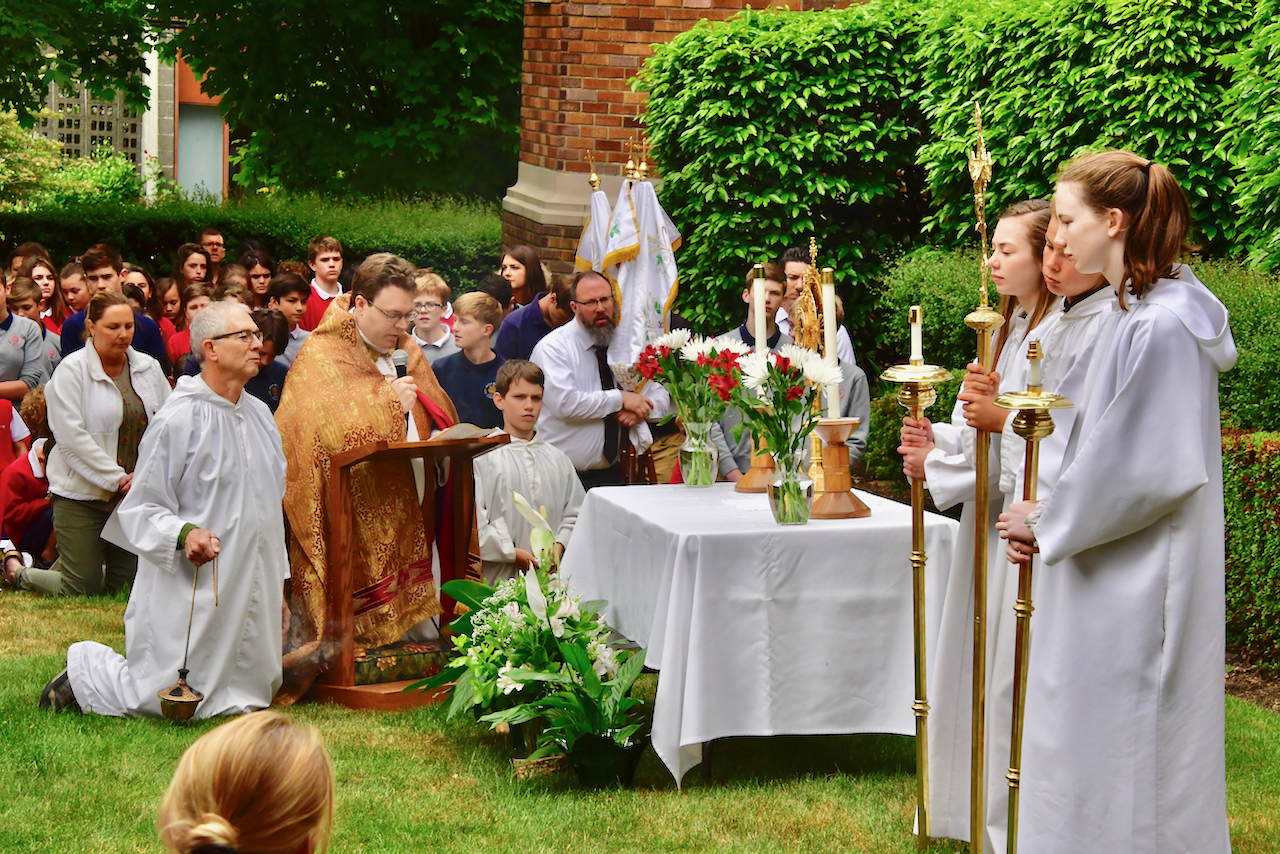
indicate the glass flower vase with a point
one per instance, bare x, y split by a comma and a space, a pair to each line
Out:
791, 491
699, 459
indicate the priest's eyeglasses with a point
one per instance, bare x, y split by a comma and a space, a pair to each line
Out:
243, 335
603, 302
394, 317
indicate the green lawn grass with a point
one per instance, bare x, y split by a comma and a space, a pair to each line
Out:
414, 782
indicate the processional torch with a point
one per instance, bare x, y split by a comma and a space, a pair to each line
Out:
917, 395
984, 321
1033, 423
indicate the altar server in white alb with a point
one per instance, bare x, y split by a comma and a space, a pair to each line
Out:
544, 475
944, 454
208, 486
1124, 743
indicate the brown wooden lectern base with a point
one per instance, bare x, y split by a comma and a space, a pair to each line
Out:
337, 684
382, 697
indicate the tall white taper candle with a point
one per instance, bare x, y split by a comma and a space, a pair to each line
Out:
758, 310
917, 348
829, 326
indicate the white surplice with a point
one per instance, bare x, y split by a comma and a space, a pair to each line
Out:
219, 466
950, 477
546, 478
1124, 743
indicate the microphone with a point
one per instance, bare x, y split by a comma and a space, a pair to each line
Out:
400, 359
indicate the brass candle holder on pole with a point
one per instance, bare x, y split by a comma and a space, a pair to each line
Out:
984, 321
916, 395
1033, 423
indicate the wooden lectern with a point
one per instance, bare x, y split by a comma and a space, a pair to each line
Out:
337, 684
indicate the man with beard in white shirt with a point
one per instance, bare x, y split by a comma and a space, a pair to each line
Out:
584, 410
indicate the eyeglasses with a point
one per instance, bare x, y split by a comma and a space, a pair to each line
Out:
428, 306
394, 317
211, 245
242, 335
595, 303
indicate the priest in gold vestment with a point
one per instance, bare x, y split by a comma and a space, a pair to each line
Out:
341, 394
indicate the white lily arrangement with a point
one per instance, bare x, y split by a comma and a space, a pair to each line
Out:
523, 638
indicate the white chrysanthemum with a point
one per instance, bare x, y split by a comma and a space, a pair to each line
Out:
821, 372
675, 339
696, 347
798, 355
732, 345
755, 370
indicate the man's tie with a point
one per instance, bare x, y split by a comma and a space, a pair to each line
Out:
612, 429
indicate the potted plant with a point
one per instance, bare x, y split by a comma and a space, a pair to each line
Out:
532, 656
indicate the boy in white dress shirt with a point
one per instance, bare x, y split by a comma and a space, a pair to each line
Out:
541, 473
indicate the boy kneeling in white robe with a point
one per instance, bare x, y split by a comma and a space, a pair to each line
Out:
541, 473
209, 483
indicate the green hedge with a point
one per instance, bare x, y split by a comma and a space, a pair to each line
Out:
1251, 481
853, 126
459, 239
1252, 135
1059, 76
777, 126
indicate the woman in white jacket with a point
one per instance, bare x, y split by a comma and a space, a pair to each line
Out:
100, 400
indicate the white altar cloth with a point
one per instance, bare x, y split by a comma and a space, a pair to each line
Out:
759, 629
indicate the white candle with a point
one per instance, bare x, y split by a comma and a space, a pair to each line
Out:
829, 320
758, 310
917, 349
833, 401
1034, 380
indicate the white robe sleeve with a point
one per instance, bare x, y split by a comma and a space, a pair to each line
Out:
492, 500
1144, 455
146, 521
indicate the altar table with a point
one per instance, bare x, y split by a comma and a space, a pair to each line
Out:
759, 629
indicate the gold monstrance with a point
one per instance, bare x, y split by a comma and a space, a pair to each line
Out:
917, 395
806, 331
1033, 423
984, 321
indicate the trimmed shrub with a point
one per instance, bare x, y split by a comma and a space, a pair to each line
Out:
1248, 393
777, 126
1253, 134
1069, 74
458, 239
1251, 483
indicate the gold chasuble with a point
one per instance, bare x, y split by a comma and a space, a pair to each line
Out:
337, 400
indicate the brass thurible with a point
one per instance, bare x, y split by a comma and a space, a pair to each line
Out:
984, 321
1033, 423
916, 394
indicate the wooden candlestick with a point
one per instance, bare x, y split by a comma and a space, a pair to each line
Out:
762, 469
837, 500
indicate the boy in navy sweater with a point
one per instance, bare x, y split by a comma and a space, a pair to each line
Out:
469, 376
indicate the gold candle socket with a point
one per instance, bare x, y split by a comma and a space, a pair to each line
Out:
1033, 423
916, 395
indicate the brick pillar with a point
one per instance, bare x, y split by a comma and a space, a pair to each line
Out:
579, 61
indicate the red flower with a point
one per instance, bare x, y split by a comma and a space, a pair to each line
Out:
723, 385
648, 366
795, 392
782, 363
704, 360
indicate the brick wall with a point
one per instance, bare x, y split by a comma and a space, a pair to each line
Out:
579, 61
